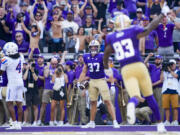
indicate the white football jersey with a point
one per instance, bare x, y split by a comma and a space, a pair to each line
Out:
13, 68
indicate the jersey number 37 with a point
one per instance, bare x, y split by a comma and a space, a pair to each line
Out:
124, 49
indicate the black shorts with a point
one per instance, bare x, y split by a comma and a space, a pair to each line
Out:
59, 95
57, 46
32, 99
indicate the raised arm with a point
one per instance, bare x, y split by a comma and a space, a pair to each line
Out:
82, 8
95, 11
45, 13
32, 10
63, 57
147, 59
155, 22
25, 29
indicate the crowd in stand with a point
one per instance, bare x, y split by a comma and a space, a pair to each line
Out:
68, 26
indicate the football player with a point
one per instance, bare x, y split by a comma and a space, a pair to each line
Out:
125, 42
93, 63
12, 63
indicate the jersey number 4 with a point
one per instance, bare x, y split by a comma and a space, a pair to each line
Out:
124, 49
18, 68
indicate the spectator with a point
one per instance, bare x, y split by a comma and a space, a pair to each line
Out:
156, 78
60, 80
71, 76
148, 45
88, 10
119, 9
165, 33
57, 37
176, 31
88, 26
34, 36
77, 18
23, 46
32, 94
81, 101
40, 67
131, 7
140, 17
70, 41
48, 88
101, 4
155, 7
69, 22
81, 40
40, 19
170, 91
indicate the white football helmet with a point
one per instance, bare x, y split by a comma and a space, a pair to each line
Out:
96, 44
121, 22
10, 48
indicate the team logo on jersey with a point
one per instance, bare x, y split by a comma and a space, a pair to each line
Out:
3, 60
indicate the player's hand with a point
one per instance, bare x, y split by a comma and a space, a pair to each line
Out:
165, 10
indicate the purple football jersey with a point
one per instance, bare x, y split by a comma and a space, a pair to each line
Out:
126, 45
95, 65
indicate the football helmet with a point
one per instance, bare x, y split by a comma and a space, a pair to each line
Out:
10, 48
121, 22
96, 45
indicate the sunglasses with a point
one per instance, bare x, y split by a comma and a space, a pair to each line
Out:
38, 15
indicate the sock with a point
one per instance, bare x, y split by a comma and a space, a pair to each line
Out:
92, 122
114, 121
134, 100
154, 107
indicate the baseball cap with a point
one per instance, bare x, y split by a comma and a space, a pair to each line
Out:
110, 59
69, 62
139, 10
56, 6
172, 61
158, 57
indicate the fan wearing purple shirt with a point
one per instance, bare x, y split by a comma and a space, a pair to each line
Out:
125, 43
139, 16
93, 63
156, 78
23, 46
119, 9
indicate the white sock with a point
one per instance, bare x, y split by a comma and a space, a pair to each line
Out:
91, 122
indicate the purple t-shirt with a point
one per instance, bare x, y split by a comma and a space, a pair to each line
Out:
112, 5
165, 34
23, 48
149, 42
95, 65
40, 73
155, 74
130, 5
2, 43
48, 81
117, 12
71, 77
126, 45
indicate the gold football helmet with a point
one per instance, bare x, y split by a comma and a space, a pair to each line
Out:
121, 22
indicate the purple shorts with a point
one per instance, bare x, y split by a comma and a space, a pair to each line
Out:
36, 52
